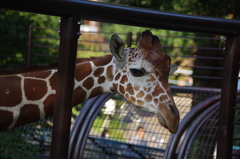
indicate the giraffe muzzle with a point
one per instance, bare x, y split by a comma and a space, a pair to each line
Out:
169, 118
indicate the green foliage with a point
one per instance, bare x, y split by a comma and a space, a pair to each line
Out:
45, 42
15, 146
15, 28
76, 109
214, 8
116, 128
92, 45
98, 123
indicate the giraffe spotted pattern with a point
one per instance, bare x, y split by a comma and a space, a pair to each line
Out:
26, 98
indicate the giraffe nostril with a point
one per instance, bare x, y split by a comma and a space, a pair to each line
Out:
173, 110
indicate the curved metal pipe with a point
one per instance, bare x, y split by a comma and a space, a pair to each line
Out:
191, 132
84, 123
175, 138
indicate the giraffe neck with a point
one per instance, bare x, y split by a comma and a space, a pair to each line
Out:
29, 97
93, 78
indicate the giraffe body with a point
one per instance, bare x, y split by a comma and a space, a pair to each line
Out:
140, 75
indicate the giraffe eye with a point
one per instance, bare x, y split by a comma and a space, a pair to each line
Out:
137, 72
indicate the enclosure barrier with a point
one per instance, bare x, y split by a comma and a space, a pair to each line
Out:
110, 147
71, 11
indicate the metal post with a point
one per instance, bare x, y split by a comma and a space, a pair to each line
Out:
69, 33
228, 98
29, 55
138, 37
129, 39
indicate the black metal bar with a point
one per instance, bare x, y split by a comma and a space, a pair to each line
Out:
138, 37
69, 33
228, 98
127, 15
29, 54
192, 89
129, 39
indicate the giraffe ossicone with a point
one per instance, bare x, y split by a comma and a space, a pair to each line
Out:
139, 74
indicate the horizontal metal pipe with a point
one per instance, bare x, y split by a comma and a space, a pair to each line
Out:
127, 15
195, 89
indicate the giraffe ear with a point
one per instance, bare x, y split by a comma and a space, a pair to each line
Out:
117, 49
173, 68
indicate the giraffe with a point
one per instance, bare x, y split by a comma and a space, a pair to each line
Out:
139, 74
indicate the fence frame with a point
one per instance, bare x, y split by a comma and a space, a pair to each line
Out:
70, 12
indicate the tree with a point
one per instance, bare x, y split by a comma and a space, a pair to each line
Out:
15, 28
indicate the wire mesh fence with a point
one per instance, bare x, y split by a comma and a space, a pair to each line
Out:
122, 120
119, 117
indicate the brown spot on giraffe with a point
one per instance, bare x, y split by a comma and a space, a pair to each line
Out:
130, 59
117, 77
121, 89
49, 105
42, 75
124, 79
34, 89
156, 101
147, 89
140, 102
79, 95
132, 99
10, 89
140, 94
100, 62
151, 78
157, 91
53, 81
110, 73
115, 86
126, 96
101, 80
88, 83
136, 87
96, 91
112, 89
130, 89
6, 119
27, 112
98, 72
82, 73
148, 98
163, 97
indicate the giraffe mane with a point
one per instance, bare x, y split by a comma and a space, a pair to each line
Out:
36, 68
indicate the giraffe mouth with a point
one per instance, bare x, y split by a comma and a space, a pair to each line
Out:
171, 126
162, 121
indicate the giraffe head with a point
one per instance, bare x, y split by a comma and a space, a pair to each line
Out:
142, 77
